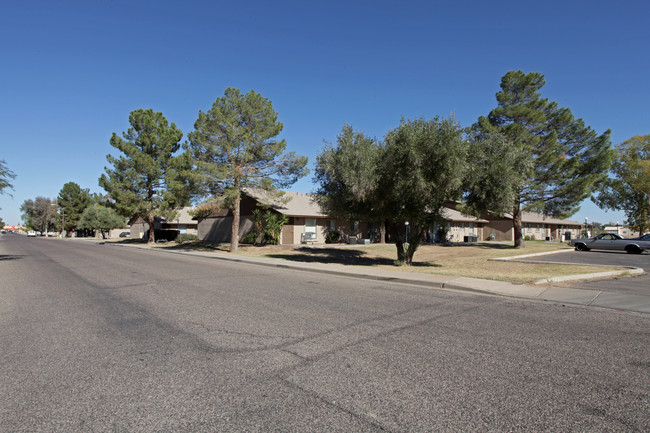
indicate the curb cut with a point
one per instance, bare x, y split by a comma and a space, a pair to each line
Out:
630, 270
523, 256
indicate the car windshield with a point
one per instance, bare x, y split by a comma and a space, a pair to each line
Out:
609, 236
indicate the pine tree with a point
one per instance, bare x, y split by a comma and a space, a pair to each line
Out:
148, 180
235, 146
72, 201
566, 157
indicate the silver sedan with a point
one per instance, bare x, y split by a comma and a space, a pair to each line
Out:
611, 241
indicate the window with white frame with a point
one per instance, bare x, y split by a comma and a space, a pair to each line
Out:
310, 225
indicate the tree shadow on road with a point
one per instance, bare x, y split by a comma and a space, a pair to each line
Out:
9, 257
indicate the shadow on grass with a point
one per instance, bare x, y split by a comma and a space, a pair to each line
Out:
339, 257
128, 241
490, 246
194, 246
185, 246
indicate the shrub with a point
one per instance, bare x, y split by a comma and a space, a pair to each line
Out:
332, 237
203, 210
270, 225
250, 238
186, 238
165, 235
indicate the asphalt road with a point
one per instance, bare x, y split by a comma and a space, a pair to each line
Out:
105, 338
639, 285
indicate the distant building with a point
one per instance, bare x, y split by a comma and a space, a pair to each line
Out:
624, 231
308, 221
183, 223
535, 226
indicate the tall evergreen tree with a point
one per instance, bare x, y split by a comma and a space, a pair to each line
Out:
149, 179
6, 176
567, 158
72, 201
235, 146
629, 187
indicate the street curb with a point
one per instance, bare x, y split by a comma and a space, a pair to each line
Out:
446, 284
627, 270
534, 292
523, 256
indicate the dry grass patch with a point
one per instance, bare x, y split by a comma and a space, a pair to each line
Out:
458, 260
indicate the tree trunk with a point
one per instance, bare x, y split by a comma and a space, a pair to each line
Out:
382, 233
150, 220
234, 235
406, 250
401, 252
516, 226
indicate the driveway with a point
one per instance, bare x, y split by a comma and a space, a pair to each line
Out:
639, 285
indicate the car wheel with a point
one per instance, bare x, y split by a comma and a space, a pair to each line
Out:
581, 247
633, 249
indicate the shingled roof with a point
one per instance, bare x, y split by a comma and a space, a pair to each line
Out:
533, 217
454, 215
294, 204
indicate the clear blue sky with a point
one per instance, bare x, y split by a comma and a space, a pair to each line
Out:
71, 71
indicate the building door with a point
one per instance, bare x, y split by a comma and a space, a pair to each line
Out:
287, 234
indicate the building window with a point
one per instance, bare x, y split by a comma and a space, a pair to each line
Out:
310, 225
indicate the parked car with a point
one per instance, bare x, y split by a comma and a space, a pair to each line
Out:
31, 233
611, 241
645, 237
125, 234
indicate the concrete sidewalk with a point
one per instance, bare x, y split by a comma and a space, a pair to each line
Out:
542, 292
